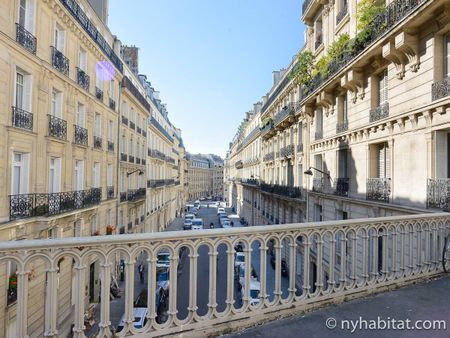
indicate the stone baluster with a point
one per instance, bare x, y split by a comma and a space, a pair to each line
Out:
319, 263
193, 258
263, 272
292, 267
277, 291
212, 304
105, 277
331, 267
248, 272
22, 303
366, 256
353, 259
80, 272
306, 256
343, 274
129, 293
151, 287
51, 301
173, 274
230, 276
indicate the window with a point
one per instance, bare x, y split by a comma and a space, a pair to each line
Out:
78, 176
97, 125
317, 213
80, 115
59, 38
124, 109
108, 217
131, 115
96, 175
109, 175
122, 182
123, 145
383, 88
318, 31
93, 224
383, 160
56, 103
447, 56
54, 175
20, 170
319, 165
27, 14
82, 61
342, 164
138, 150
98, 80
23, 90
111, 89
319, 124
138, 122
110, 130
130, 153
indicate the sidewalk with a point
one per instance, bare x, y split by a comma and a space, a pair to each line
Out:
421, 302
176, 224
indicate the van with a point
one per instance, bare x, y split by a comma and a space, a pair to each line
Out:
140, 318
197, 224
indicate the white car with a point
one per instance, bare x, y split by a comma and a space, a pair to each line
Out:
226, 223
197, 224
163, 260
140, 318
239, 259
220, 210
255, 288
189, 216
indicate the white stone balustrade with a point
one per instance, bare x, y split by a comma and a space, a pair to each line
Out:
327, 261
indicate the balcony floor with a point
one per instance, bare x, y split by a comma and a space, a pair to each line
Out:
424, 301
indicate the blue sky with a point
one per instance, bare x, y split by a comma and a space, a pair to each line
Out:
210, 59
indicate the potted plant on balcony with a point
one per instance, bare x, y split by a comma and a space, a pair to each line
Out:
41, 210
12, 288
110, 229
96, 233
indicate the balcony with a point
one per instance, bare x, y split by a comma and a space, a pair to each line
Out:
132, 125
123, 196
57, 127
282, 190
438, 193
318, 184
300, 148
48, 204
99, 94
138, 129
60, 62
25, 39
341, 186
126, 83
342, 13
269, 157
112, 104
285, 114
239, 164
170, 160
144, 133
440, 89
124, 120
287, 151
83, 79
110, 192
130, 159
156, 154
250, 181
378, 189
341, 126
98, 142
372, 270
267, 131
143, 161
110, 146
22, 119
156, 183
158, 126
135, 194
123, 157
169, 181
80, 135
379, 112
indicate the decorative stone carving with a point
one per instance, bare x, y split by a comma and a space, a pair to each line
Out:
396, 57
408, 44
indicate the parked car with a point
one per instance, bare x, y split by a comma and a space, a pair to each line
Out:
194, 211
189, 216
187, 224
163, 260
197, 224
140, 318
220, 210
226, 223
239, 259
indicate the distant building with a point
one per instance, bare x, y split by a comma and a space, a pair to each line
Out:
205, 176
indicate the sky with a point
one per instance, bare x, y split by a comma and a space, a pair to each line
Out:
211, 60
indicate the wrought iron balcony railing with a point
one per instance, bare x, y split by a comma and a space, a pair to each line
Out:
123, 157
59, 61
138, 129
341, 126
110, 192
158, 126
138, 160
440, 89
136, 194
438, 193
155, 183
250, 181
156, 154
99, 93
170, 160
239, 164
371, 267
25, 39
283, 114
267, 129
130, 159
110, 146
269, 157
287, 151
169, 181
300, 148
378, 189
342, 185
22, 119
342, 13
57, 127
282, 190
98, 142
125, 120
379, 112
83, 79
112, 104
132, 125
48, 204
126, 83
123, 196
80, 135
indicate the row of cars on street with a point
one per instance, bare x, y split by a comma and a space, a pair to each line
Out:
239, 267
191, 222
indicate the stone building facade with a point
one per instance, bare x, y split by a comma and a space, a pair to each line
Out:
205, 176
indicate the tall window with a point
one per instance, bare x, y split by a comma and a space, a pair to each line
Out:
111, 89
78, 176
59, 38
383, 160
23, 90
138, 150
93, 224
80, 115
124, 109
82, 62
447, 56
56, 103
96, 175
131, 115
97, 125
383, 87
319, 123
342, 158
20, 170
110, 130
54, 175
27, 14
109, 176
123, 145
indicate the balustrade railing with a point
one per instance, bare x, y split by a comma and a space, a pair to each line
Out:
282, 190
83, 79
60, 62
22, 119
341, 126
125, 120
123, 196
80, 135
25, 39
342, 185
135, 194
378, 189
110, 192
267, 129
156, 183
325, 260
269, 157
380, 112
99, 93
440, 89
112, 104
283, 114
57, 127
438, 193
47, 204
287, 150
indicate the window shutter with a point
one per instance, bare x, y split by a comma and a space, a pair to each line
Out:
19, 90
83, 60
81, 176
383, 161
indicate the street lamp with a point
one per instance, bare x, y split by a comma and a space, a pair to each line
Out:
310, 173
141, 172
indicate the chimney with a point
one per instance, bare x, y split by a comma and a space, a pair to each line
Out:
100, 7
130, 55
